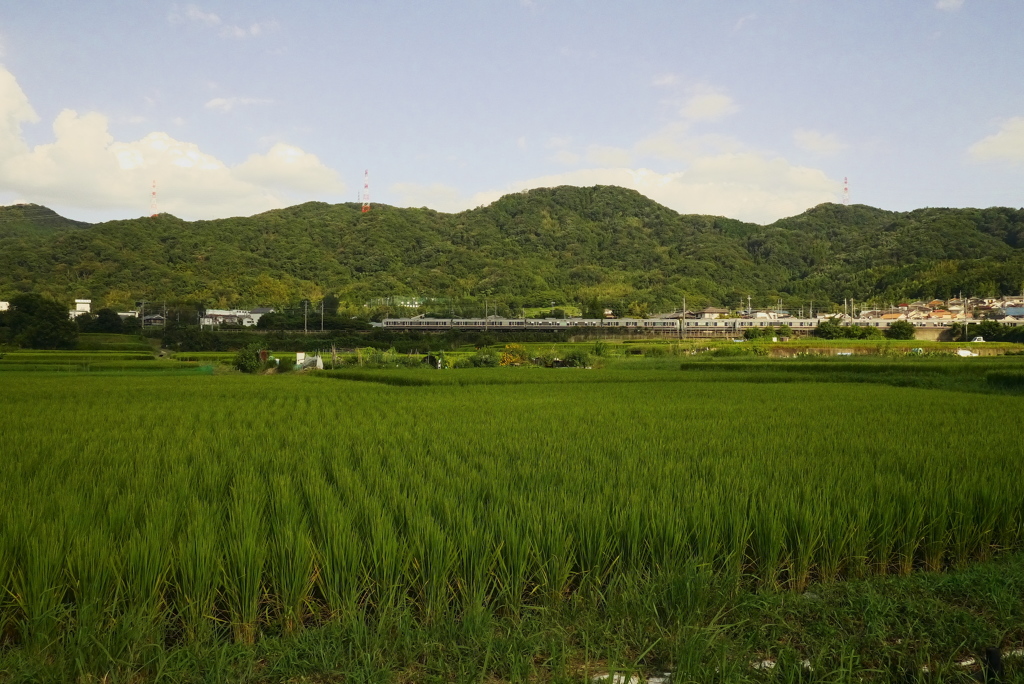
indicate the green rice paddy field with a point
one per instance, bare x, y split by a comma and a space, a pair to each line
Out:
510, 524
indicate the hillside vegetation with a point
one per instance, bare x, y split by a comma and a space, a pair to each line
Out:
601, 245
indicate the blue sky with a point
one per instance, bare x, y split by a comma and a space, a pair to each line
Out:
753, 110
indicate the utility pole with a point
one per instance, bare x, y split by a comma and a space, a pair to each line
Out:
142, 315
321, 315
305, 314
682, 322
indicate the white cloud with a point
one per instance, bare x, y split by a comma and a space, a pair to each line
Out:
675, 141
743, 21
85, 167
566, 157
720, 175
192, 14
250, 31
1006, 145
521, 142
226, 104
664, 80
815, 142
949, 5
436, 196
748, 186
15, 110
708, 106
609, 156
290, 168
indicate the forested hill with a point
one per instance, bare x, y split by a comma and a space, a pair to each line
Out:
602, 244
22, 220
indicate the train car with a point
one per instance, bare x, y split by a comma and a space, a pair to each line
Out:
699, 327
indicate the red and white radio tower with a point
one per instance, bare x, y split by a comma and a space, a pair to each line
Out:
366, 191
846, 190
152, 202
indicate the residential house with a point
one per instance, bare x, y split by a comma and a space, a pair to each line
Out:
712, 312
82, 306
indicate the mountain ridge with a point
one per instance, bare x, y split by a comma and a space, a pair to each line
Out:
600, 244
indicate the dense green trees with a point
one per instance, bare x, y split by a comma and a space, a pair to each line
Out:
37, 322
599, 247
991, 331
901, 330
830, 329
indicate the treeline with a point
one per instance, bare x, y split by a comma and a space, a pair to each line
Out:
592, 248
990, 331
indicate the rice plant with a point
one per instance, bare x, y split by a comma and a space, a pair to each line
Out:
198, 509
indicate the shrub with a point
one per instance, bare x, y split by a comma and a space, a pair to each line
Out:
485, 358
828, 330
286, 365
514, 355
247, 359
577, 359
901, 330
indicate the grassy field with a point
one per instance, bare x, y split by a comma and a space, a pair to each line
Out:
693, 515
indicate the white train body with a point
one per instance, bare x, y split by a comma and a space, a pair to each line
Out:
696, 326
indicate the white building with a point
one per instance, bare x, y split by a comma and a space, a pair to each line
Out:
233, 317
4, 306
82, 306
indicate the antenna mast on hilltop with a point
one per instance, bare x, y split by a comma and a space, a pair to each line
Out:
366, 191
153, 211
846, 191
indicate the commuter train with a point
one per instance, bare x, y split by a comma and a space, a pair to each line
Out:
698, 326
518, 324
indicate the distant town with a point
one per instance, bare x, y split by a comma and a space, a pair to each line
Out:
930, 317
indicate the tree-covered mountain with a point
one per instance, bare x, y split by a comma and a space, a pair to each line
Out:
24, 220
600, 245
